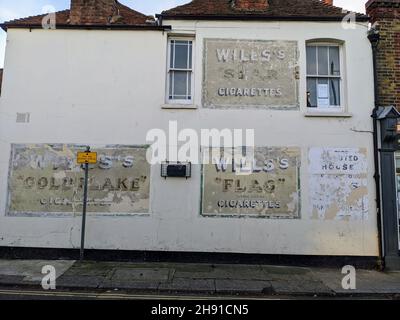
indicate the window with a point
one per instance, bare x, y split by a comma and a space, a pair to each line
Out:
324, 76
180, 71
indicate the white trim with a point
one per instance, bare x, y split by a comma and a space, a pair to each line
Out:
342, 78
327, 114
179, 102
179, 106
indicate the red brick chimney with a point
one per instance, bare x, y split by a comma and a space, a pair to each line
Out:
93, 11
328, 2
251, 5
385, 16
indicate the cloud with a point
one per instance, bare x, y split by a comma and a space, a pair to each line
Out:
353, 5
153, 6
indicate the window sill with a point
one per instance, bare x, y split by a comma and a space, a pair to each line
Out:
327, 114
179, 106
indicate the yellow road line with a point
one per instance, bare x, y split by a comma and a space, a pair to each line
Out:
118, 296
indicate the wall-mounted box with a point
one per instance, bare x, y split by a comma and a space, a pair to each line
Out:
176, 170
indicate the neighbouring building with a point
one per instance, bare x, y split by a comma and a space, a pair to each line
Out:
385, 40
385, 16
297, 72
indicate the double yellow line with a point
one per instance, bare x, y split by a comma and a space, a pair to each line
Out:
116, 296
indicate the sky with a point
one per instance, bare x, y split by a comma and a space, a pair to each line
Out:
11, 9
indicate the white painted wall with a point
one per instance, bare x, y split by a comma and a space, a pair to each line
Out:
107, 87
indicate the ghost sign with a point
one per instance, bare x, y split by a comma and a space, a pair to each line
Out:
45, 179
338, 183
269, 189
250, 73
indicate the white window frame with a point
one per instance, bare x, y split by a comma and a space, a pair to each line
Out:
169, 69
342, 77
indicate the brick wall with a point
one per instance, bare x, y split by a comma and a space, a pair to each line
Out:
385, 15
92, 11
251, 5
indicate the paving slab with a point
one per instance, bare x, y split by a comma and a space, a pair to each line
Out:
142, 274
31, 270
91, 269
199, 278
11, 280
301, 288
89, 282
189, 285
284, 270
367, 281
237, 272
243, 286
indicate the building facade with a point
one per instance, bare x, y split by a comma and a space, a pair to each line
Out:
385, 36
300, 75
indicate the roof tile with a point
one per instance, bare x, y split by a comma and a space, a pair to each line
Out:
124, 16
296, 9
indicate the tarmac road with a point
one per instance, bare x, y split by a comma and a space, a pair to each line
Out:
22, 294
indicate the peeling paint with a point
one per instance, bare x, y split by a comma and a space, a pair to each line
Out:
250, 74
271, 190
338, 183
45, 180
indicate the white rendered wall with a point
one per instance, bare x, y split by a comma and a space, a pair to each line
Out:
107, 87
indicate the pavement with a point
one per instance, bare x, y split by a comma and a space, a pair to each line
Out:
201, 279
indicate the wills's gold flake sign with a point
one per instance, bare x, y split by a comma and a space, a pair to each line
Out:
46, 179
245, 73
270, 189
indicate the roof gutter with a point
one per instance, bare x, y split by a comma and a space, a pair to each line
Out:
6, 26
258, 18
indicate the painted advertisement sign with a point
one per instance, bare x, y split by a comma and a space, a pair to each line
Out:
338, 183
250, 73
45, 179
270, 189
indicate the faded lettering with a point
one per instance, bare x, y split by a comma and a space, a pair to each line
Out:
45, 179
269, 187
245, 73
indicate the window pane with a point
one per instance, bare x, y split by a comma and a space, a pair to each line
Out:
334, 64
171, 85
334, 92
312, 90
323, 93
311, 60
190, 54
189, 88
172, 54
180, 84
322, 60
181, 54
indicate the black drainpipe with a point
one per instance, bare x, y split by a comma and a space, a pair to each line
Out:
374, 37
